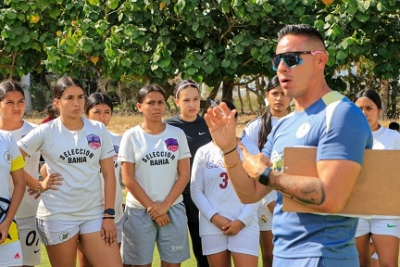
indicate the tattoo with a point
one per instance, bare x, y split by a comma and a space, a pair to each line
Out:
313, 196
307, 190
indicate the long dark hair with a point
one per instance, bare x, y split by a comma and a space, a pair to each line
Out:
266, 123
98, 99
372, 95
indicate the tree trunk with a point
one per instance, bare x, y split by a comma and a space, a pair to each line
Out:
249, 99
240, 99
384, 97
227, 88
393, 100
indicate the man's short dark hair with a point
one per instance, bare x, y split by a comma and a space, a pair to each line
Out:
301, 29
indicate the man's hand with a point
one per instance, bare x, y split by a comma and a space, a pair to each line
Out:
222, 127
254, 165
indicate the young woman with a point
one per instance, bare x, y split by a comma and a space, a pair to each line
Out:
12, 109
256, 132
187, 98
11, 163
75, 148
227, 227
383, 230
155, 169
99, 107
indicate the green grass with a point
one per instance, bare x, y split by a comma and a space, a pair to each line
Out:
156, 257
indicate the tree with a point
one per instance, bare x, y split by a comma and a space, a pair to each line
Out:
211, 41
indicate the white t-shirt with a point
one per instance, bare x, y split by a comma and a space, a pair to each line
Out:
250, 132
156, 160
212, 192
387, 139
29, 204
10, 160
75, 155
116, 140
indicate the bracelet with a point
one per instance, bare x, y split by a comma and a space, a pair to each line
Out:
230, 151
40, 189
234, 165
105, 218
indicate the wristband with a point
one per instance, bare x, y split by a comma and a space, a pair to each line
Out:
105, 218
230, 151
264, 177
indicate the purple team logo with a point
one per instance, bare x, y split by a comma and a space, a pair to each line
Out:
172, 144
116, 149
93, 141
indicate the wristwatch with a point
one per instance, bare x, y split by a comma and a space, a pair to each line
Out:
109, 211
264, 177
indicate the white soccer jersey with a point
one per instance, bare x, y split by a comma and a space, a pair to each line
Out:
116, 140
388, 139
250, 132
29, 204
156, 160
212, 192
10, 160
75, 155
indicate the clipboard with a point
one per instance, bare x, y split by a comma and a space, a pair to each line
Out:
377, 188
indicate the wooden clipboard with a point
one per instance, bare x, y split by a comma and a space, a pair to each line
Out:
377, 189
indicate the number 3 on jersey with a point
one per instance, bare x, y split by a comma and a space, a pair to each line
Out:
225, 178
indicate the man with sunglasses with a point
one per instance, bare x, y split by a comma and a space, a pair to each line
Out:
324, 119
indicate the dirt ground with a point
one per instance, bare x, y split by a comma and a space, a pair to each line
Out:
120, 123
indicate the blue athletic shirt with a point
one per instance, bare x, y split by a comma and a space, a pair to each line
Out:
339, 130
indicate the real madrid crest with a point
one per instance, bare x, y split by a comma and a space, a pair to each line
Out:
7, 157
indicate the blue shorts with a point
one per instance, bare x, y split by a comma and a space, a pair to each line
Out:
315, 262
140, 233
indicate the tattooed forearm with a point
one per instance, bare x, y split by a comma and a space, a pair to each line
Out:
308, 190
313, 197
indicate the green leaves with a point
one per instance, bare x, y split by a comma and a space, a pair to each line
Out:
204, 40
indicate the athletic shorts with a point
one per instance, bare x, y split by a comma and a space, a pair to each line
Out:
315, 262
244, 242
30, 241
140, 233
264, 218
378, 227
57, 232
10, 249
119, 225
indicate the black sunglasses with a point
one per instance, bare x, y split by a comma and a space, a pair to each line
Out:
291, 59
